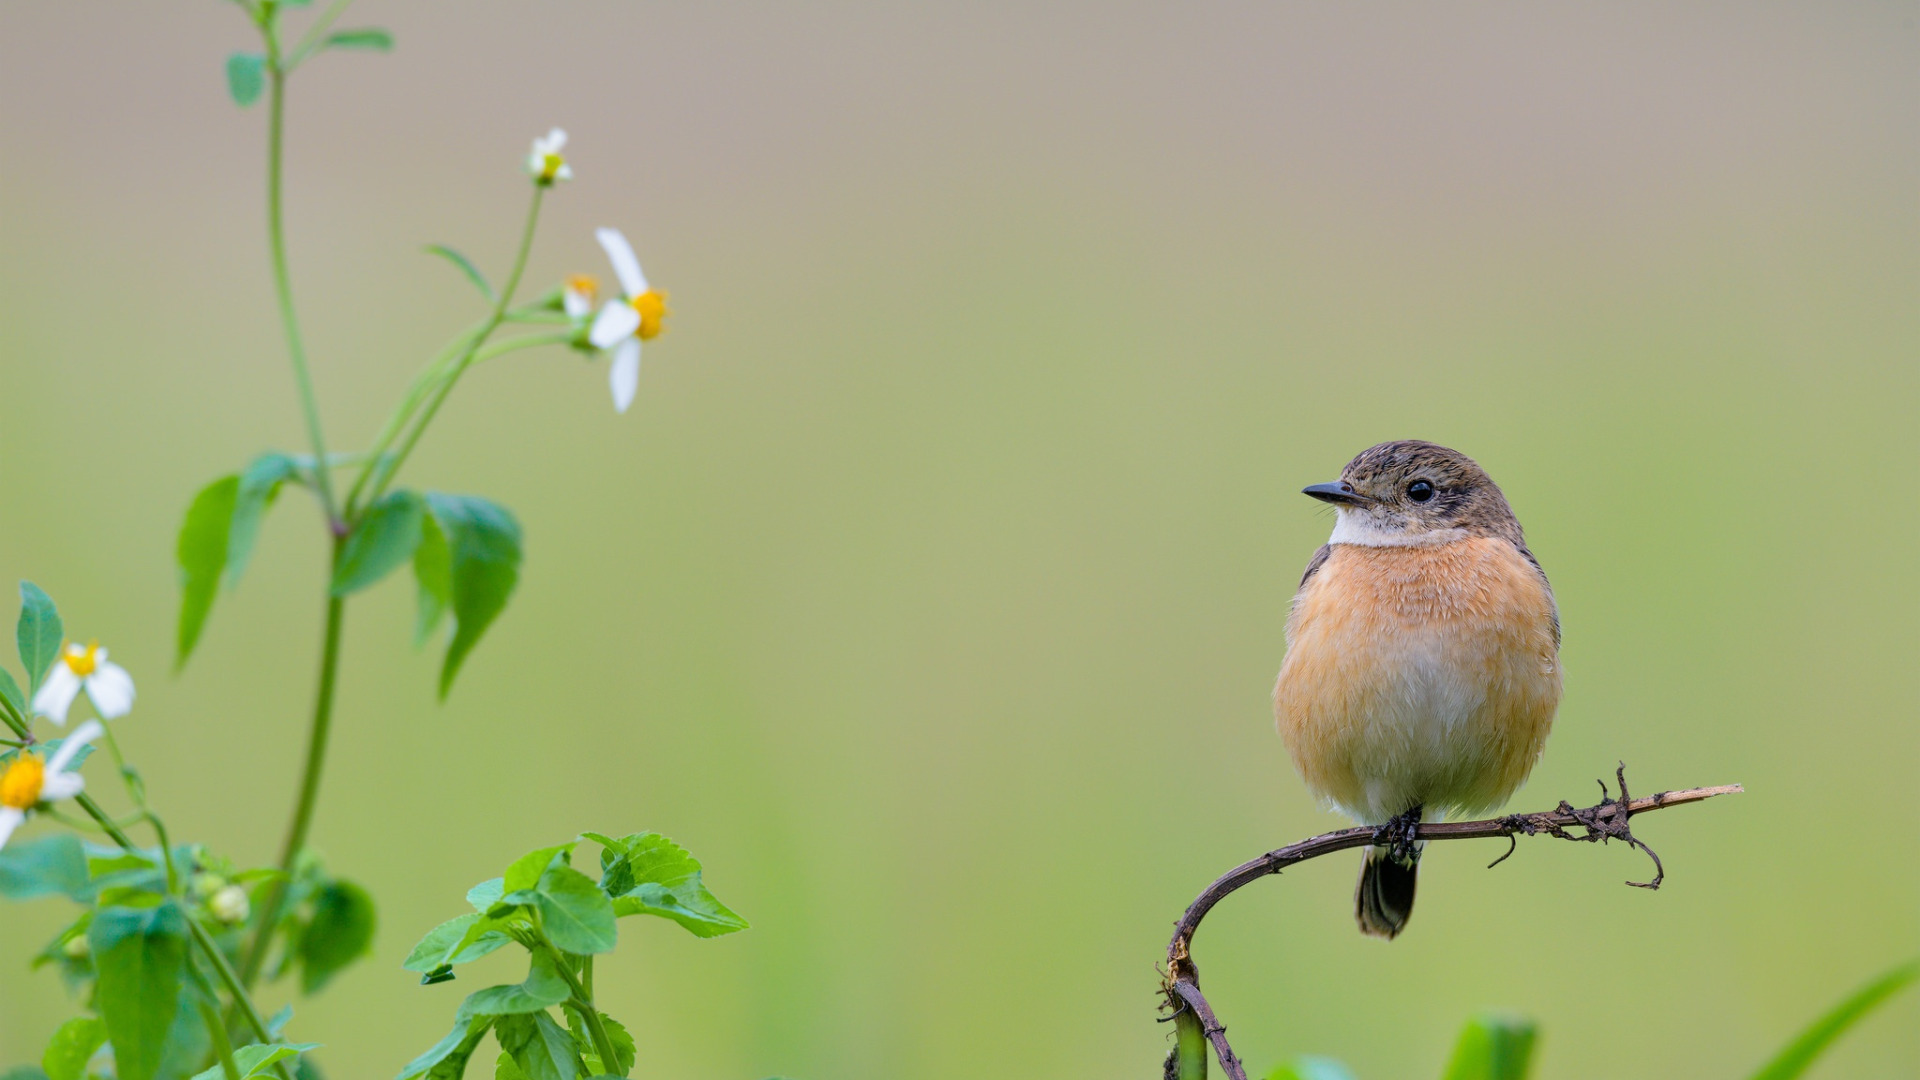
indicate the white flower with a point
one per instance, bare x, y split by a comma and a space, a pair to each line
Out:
626, 322
108, 686
27, 783
545, 162
229, 905
577, 295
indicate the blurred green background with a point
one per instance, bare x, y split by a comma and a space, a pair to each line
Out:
933, 590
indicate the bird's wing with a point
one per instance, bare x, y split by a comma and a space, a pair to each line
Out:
1320, 559
1552, 604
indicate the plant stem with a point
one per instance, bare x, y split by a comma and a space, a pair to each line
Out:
387, 469
589, 1014
310, 40
216, 1027
316, 764
282, 279
106, 823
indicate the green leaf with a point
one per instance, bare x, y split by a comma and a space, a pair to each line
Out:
505, 1069
526, 870
385, 537
258, 1059
466, 267
576, 915
483, 540
1492, 1048
543, 986
38, 633
1794, 1058
447, 944
246, 77
541, 1048
433, 570
447, 1059
23, 1072
259, 486
486, 894
1311, 1068
10, 690
72, 1046
140, 955
623, 1050
53, 864
648, 874
340, 932
201, 552
360, 38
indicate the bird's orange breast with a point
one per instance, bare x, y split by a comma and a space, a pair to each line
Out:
1419, 676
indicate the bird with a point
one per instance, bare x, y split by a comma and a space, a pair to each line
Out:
1422, 666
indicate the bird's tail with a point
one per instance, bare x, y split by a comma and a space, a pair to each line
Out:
1384, 899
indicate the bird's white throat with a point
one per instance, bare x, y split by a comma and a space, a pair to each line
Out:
1364, 530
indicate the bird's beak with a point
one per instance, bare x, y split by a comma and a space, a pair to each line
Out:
1339, 493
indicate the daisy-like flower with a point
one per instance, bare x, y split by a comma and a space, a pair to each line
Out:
627, 321
545, 163
108, 685
27, 782
577, 294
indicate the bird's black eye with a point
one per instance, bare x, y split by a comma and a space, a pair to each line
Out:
1419, 491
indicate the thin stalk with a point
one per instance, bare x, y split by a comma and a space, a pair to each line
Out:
241, 1000
589, 1014
282, 278
107, 824
403, 412
310, 40
296, 839
388, 468
216, 1028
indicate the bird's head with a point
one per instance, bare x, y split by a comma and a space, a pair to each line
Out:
1412, 493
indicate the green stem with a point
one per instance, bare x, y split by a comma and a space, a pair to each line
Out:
589, 1014
388, 468
310, 40
296, 839
107, 824
403, 412
216, 1027
241, 1000
282, 279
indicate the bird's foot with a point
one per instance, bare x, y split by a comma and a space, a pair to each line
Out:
1400, 835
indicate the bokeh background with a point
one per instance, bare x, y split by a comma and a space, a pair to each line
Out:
933, 590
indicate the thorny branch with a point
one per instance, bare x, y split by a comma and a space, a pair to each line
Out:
1604, 821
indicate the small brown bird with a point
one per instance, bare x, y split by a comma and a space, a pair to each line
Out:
1422, 668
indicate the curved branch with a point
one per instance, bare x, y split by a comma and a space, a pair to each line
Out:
1606, 820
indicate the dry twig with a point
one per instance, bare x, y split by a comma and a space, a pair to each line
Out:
1607, 820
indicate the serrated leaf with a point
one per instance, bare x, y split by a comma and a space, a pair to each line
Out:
623, 1048
201, 553
648, 874
541, 1048
487, 893
140, 955
37, 634
576, 915
340, 932
385, 537
366, 37
449, 944
526, 870
542, 987
447, 1059
246, 77
433, 573
72, 1045
53, 865
259, 485
466, 267
1806, 1047
483, 541
1493, 1048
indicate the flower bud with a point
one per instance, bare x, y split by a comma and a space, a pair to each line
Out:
229, 905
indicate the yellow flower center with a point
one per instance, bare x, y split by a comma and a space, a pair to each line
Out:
20, 784
652, 306
82, 661
585, 284
550, 166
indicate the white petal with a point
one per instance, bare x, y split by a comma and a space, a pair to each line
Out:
625, 266
575, 303
69, 746
10, 820
110, 689
56, 694
556, 140
617, 320
564, 172
61, 786
625, 373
